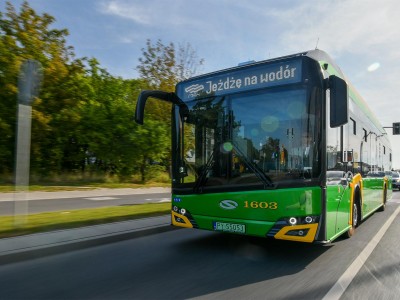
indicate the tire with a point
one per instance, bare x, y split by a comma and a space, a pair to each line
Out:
355, 220
383, 207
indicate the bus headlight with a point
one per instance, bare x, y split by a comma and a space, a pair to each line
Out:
301, 220
308, 219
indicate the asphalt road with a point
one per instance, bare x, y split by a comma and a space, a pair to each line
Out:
189, 263
79, 202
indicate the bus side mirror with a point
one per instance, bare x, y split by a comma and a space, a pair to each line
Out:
339, 106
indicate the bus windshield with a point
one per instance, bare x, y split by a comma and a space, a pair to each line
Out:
266, 138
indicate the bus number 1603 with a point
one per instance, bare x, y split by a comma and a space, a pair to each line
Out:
262, 204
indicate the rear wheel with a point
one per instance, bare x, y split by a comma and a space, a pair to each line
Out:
354, 220
383, 207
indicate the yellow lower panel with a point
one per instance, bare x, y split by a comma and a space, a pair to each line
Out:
308, 238
185, 221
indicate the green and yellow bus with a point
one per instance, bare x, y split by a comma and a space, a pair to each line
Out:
284, 148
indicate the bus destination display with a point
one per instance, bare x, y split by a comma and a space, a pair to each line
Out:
242, 80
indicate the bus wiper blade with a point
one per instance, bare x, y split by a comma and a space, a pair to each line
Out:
203, 176
266, 180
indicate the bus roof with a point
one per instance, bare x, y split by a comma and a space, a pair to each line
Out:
317, 55
332, 69
326, 63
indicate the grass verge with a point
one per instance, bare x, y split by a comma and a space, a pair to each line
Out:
8, 188
50, 221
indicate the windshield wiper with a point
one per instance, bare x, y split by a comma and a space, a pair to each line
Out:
203, 176
265, 179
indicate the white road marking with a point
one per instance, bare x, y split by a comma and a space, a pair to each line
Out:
395, 200
344, 281
159, 199
101, 198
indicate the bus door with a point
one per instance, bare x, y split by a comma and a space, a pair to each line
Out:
338, 201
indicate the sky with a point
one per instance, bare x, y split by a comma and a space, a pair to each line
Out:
362, 36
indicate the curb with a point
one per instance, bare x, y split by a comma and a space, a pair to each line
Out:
54, 244
98, 192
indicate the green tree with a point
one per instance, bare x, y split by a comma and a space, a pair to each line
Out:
188, 62
162, 66
82, 118
157, 65
107, 129
152, 140
27, 35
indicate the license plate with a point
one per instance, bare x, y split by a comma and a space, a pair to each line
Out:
229, 227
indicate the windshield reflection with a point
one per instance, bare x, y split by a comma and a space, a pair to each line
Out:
261, 138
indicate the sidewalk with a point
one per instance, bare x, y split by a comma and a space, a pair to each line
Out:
82, 193
37, 245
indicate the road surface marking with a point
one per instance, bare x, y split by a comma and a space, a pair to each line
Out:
159, 199
101, 198
344, 281
395, 201
164, 200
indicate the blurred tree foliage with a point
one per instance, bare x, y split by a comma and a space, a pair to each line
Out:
82, 119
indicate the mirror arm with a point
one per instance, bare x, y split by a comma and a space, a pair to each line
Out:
165, 96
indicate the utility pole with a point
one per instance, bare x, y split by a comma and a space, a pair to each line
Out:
29, 80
